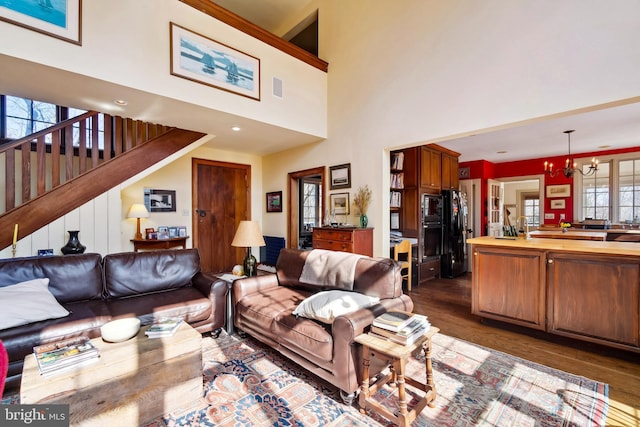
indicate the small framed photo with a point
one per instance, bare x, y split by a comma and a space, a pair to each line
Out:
163, 232
339, 203
182, 231
173, 232
45, 252
558, 204
563, 190
340, 176
160, 200
274, 201
148, 232
152, 236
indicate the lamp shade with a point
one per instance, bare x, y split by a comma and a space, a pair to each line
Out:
138, 210
248, 234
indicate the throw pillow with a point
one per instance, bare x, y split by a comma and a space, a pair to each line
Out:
327, 305
28, 302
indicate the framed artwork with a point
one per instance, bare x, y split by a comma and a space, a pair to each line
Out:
274, 201
149, 232
60, 19
160, 200
558, 204
203, 60
163, 232
173, 232
340, 176
182, 231
563, 190
339, 203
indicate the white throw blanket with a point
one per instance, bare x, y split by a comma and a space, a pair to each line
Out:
330, 268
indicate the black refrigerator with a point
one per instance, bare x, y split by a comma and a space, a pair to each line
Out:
454, 229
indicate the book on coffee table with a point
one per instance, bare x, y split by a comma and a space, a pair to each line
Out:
163, 327
393, 320
64, 355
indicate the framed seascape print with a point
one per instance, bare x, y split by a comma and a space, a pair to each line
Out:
339, 203
201, 59
340, 176
160, 200
57, 18
558, 204
563, 190
274, 201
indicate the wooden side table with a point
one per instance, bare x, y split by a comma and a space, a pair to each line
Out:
397, 355
158, 244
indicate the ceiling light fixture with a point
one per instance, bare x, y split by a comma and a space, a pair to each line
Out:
570, 166
236, 128
120, 102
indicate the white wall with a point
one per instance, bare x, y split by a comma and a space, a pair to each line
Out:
418, 71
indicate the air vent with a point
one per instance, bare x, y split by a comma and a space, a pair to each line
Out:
277, 87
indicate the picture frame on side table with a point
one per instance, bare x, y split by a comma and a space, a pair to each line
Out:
339, 203
563, 190
206, 61
59, 19
274, 201
340, 176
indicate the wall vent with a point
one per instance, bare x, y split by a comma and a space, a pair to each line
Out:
277, 87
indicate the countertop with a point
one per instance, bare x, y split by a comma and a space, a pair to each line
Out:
571, 235
584, 246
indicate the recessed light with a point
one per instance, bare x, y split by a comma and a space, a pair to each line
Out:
235, 128
604, 146
120, 102
502, 152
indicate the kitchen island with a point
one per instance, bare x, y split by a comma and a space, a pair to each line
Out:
584, 289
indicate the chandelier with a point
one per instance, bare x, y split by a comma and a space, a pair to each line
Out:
570, 167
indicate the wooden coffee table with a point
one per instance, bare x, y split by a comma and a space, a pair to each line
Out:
133, 382
396, 355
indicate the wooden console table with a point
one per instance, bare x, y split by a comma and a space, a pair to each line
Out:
157, 244
397, 355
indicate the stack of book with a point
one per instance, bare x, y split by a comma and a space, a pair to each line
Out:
163, 327
64, 355
401, 327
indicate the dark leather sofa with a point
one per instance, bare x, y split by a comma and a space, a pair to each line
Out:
264, 305
96, 290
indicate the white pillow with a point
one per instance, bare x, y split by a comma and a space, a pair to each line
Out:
28, 302
327, 305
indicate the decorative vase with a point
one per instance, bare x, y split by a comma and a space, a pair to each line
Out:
364, 221
73, 246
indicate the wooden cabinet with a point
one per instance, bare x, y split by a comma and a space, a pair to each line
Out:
431, 169
429, 269
347, 239
404, 200
449, 172
594, 298
509, 285
569, 288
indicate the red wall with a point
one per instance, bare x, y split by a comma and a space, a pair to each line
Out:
484, 170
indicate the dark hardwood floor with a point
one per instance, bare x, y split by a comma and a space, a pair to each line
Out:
447, 303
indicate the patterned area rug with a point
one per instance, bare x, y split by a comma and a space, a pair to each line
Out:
248, 384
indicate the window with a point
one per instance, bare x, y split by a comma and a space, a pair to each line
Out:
531, 209
629, 190
596, 192
26, 116
311, 203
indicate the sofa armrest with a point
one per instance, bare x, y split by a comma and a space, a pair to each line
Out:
210, 286
251, 285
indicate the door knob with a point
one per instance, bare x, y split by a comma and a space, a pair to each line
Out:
201, 213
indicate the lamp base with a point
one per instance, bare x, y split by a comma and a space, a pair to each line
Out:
249, 264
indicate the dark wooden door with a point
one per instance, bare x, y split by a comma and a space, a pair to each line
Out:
220, 201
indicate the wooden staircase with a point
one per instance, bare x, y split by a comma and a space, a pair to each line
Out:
54, 171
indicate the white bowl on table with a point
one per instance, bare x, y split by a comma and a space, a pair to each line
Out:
120, 330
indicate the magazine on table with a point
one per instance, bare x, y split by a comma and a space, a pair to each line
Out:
407, 335
165, 327
64, 355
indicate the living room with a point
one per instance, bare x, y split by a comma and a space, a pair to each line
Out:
465, 68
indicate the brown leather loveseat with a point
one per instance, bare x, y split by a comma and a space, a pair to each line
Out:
264, 307
95, 290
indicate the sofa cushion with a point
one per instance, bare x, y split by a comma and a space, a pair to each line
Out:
327, 305
305, 336
186, 303
28, 302
71, 277
129, 274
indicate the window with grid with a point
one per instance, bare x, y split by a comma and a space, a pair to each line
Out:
596, 194
629, 190
311, 203
531, 209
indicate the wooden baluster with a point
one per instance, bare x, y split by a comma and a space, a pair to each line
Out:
108, 137
82, 147
55, 158
41, 165
128, 141
119, 136
10, 179
95, 143
68, 152
26, 171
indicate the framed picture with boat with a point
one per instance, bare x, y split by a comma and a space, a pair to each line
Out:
60, 19
200, 59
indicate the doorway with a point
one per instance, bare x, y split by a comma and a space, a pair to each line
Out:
296, 220
221, 199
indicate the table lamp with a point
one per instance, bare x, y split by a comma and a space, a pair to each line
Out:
247, 235
138, 211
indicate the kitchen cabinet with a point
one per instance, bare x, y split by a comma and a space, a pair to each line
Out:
344, 239
431, 169
449, 172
